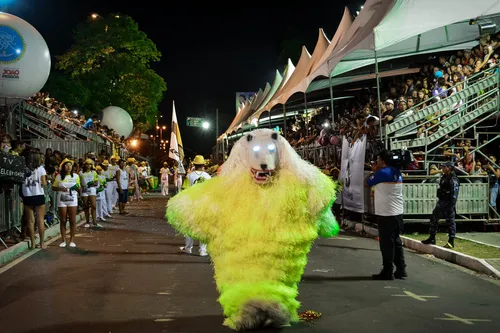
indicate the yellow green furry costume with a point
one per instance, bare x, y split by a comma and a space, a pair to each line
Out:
258, 236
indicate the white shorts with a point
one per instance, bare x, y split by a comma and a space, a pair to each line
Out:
73, 203
89, 191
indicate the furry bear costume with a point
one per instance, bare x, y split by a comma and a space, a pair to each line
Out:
259, 219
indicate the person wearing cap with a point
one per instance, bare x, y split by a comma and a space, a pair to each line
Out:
447, 194
164, 173
107, 194
112, 185
67, 185
89, 181
101, 195
198, 175
390, 112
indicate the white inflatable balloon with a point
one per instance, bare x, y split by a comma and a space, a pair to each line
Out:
24, 58
117, 119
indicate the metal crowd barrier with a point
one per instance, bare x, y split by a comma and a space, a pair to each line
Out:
10, 209
420, 199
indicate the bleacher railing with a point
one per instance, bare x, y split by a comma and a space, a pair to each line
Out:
477, 83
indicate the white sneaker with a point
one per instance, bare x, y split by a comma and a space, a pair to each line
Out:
108, 216
185, 250
72, 244
87, 225
203, 253
63, 244
97, 225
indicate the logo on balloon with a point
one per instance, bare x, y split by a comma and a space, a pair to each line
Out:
12, 45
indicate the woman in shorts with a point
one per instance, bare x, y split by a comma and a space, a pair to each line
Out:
89, 182
33, 194
67, 185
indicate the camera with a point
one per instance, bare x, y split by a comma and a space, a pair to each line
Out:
399, 158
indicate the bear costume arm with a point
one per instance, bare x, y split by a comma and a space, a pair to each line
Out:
193, 212
322, 195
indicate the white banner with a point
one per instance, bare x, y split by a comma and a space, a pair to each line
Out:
352, 174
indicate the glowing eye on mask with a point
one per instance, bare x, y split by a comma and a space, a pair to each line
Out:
271, 147
256, 148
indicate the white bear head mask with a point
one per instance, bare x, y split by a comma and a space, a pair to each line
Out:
261, 154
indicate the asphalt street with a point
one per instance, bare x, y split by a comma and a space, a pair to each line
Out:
130, 277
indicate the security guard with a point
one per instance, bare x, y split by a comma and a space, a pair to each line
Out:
446, 206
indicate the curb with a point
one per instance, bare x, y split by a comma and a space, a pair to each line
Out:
22, 247
464, 260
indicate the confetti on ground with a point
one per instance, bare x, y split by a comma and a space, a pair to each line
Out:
309, 316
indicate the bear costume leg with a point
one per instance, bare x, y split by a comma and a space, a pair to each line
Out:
259, 305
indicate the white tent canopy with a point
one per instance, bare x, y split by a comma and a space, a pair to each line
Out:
396, 28
290, 68
298, 74
256, 103
295, 85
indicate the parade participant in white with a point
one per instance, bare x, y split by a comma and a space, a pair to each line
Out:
112, 184
107, 194
89, 181
164, 173
198, 175
102, 207
122, 176
67, 185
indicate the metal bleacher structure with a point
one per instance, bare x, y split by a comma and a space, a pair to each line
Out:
44, 130
467, 114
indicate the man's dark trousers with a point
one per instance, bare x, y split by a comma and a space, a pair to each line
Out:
389, 230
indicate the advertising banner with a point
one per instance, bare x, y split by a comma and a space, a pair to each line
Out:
242, 98
352, 174
12, 168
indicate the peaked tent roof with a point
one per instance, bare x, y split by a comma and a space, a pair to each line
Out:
396, 28
269, 90
290, 68
299, 72
297, 82
319, 69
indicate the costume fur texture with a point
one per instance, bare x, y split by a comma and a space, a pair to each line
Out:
258, 235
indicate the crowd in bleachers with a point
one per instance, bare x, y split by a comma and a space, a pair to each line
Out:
43, 101
439, 77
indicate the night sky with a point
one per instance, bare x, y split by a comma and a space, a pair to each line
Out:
210, 52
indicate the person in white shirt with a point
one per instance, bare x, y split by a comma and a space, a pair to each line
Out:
198, 175
102, 207
89, 182
67, 185
388, 183
111, 189
33, 195
108, 177
164, 173
122, 180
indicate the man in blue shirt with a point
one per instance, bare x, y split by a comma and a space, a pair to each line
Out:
388, 183
90, 123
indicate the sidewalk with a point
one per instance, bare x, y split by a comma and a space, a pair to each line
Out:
17, 250
485, 238
483, 260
